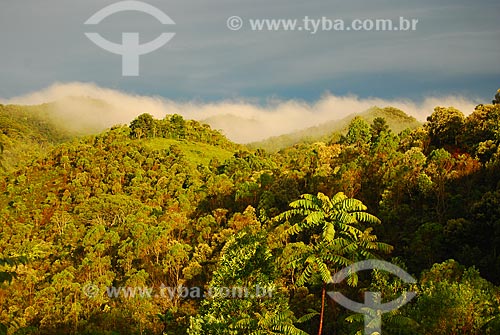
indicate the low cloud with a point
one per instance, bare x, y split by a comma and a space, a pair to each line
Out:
240, 120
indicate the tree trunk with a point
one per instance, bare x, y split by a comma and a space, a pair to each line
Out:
323, 293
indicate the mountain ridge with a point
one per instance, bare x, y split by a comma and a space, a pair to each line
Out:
396, 119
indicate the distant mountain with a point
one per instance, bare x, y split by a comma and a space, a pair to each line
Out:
396, 119
30, 132
26, 132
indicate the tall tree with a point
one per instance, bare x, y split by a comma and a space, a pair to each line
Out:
242, 297
496, 101
334, 236
482, 125
444, 126
359, 132
143, 125
378, 126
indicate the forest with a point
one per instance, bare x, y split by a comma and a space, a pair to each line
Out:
145, 228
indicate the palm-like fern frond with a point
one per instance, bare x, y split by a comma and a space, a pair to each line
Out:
342, 241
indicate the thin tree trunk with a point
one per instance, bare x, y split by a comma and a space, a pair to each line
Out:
323, 293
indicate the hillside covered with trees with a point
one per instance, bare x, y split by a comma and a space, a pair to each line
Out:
396, 120
135, 230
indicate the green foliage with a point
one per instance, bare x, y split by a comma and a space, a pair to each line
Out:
481, 126
256, 305
6, 276
143, 126
176, 128
454, 300
378, 127
496, 101
195, 152
358, 132
174, 202
444, 126
26, 132
396, 120
342, 241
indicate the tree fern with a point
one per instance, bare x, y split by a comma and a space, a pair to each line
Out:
343, 239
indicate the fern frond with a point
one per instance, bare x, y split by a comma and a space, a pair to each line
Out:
306, 274
314, 219
329, 232
325, 274
340, 196
350, 205
304, 318
365, 217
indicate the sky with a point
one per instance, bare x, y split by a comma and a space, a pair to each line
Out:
453, 53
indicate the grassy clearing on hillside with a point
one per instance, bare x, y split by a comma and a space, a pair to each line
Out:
198, 153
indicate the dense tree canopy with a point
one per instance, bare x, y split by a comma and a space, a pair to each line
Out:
125, 232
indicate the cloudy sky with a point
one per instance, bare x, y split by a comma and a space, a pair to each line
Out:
455, 51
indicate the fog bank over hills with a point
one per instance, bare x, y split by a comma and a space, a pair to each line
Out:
86, 107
